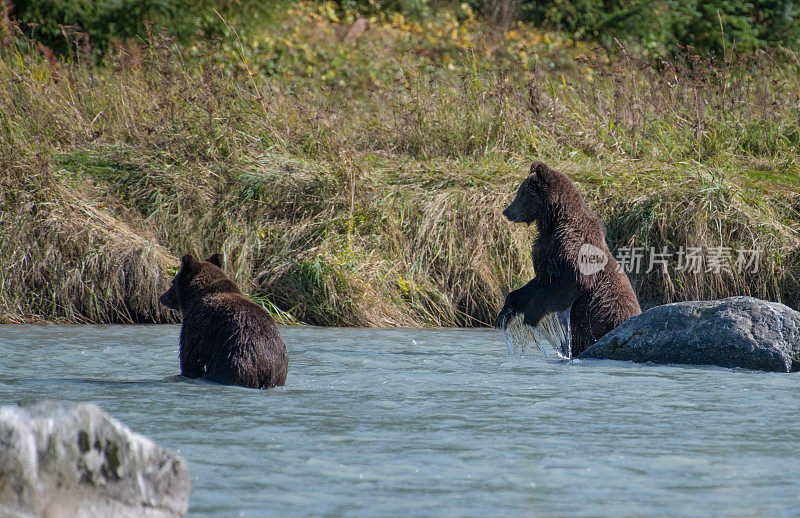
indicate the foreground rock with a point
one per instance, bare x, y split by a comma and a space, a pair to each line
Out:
735, 332
73, 460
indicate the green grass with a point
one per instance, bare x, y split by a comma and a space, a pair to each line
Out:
362, 183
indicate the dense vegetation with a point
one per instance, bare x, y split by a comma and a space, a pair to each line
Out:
658, 27
359, 180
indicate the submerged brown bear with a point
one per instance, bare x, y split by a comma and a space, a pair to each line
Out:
224, 337
577, 278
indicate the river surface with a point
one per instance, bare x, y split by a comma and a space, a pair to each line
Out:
421, 422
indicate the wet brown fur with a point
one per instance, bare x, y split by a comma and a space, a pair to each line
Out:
600, 302
225, 337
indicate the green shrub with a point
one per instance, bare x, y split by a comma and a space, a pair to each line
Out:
56, 22
707, 25
52, 21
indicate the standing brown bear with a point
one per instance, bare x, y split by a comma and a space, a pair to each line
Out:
224, 337
575, 272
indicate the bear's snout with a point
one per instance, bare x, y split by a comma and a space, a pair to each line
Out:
169, 299
512, 212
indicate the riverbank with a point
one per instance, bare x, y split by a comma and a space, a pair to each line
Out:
361, 181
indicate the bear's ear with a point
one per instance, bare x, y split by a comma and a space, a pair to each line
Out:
541, 170
188, 262
216, 260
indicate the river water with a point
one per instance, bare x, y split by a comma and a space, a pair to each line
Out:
421, 422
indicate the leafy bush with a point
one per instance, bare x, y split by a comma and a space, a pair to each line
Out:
52, 21
707, 25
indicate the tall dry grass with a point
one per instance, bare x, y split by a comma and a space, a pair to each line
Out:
375, 199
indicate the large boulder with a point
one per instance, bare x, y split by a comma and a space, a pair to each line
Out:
734, 332
74, 460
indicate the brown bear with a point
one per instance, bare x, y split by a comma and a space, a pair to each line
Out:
225, 337
575, 271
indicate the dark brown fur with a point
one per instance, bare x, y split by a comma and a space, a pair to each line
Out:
224, 337
600, 302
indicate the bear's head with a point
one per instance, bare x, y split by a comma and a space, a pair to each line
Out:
191, 278
533, 195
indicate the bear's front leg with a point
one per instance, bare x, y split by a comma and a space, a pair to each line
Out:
515, 303
545, 298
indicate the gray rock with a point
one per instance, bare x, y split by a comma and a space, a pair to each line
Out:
74, 460
734, 332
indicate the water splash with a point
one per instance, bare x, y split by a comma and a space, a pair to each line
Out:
557, 330
553, 329
518, 336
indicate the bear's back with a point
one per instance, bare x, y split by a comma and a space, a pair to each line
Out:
236, 340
